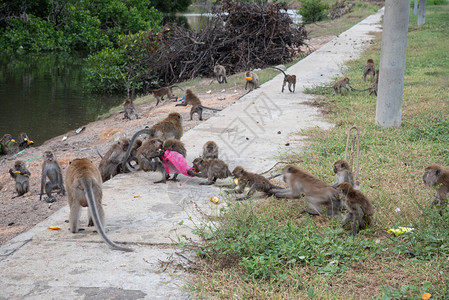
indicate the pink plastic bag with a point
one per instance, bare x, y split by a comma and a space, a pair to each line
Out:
175, 163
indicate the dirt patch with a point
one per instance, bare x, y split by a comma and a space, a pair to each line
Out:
20, 214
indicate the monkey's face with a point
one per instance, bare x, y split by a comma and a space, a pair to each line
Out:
237, 172
287, 172
432, 175
48, 156
198, 163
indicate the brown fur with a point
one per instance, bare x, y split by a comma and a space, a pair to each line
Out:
197, 107
255, 181
290, 79
21, 175
342, 173
130, 109
8, 145
373, 88
111, 161
343, 83
359, 208
315, 190
159, 94
436, 175
253, 83
212, 169
210, 150
52, 170
84, 188
370, 69
220, 74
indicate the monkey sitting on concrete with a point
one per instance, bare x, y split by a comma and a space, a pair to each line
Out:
52, 170
197, 107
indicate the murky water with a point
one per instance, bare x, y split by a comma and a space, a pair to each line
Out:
43, 96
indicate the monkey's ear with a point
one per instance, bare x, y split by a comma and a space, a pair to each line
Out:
290, 169
70, 162
437, 171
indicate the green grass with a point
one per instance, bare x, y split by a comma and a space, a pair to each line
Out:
267, 250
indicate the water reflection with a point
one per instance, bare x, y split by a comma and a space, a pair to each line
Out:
43, 96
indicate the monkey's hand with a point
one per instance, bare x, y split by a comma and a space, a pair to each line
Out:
192, 172
161, 152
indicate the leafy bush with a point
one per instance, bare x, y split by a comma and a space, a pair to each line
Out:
313, 10
106, 71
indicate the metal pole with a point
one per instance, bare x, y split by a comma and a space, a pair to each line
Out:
421, 12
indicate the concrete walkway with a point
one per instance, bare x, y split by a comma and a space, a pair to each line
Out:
47, 264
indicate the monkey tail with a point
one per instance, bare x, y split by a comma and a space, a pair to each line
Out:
280, 70
99, 154
148, 131
177, 87
87, 186
215, 109
353, 89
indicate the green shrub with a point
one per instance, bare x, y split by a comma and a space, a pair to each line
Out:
313, 11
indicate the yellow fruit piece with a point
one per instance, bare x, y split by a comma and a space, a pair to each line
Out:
249, 78
214, 200
400, 230
54, 227
136, 196
426, 296
17, 172
236, 181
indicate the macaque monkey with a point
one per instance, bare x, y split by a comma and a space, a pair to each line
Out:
210, 150
8, 145
435, 175
370, 69
22, 176
255, 181
111, 161
130, 109
159, 94
148, 158
24, 141
360, 210
373, 88
220, 74
52, 170
252, 80
212, 169
343, 173
132, 157
84, 188
290, 79
315, 190
343, 83
197, 107
168, 128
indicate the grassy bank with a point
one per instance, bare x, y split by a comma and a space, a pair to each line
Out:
266, 249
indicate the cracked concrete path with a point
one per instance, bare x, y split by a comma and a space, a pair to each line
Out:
152, 219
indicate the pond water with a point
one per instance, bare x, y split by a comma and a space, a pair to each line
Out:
43, 96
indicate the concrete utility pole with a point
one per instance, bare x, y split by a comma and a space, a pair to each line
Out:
392, 63
422, 12
415, 7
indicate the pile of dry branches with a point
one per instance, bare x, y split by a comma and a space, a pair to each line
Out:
241, 36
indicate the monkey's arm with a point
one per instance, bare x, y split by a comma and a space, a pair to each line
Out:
183, 103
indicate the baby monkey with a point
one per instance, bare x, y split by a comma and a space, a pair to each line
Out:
370, 69
360, 209
342, 173
255, 181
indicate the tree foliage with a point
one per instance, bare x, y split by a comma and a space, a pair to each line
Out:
64, 25
313, 10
